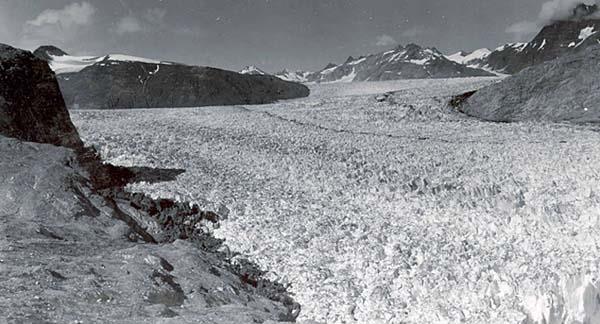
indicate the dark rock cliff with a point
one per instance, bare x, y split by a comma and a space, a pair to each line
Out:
31, 106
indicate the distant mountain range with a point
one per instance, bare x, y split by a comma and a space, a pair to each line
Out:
123, 81
402, 62
412, 61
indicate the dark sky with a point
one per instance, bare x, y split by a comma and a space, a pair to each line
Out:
272, 34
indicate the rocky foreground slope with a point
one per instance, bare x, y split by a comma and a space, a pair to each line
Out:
76, 248
121, 81
566, 89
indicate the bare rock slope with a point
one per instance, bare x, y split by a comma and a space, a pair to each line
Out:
76, 248
566, 89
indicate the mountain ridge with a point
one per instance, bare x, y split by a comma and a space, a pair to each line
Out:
123, 81
399, 63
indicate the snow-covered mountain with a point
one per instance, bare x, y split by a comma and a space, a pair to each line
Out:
293, 76
124, 81
557, 39
61, 62
402, 62
470, 58
252, 70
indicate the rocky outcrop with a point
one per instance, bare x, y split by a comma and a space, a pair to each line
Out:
120, 81
68, 256
403, 62
70, 232
31, 106
566, 89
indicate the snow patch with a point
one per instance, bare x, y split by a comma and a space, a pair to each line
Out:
129, 58
543, 45
396, 56
463, 58
422, 61
72, 64
585, 34
358, 61
519, 47
329, 71
252, 70
297, 76
347, 78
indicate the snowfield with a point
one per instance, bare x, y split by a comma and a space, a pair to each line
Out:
400, 211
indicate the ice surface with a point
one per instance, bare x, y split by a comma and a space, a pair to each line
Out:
399, 211
71, 64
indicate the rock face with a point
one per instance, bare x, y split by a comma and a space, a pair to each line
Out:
553, 41
566, 89
70, 232
403, 62
31, 105
120, 81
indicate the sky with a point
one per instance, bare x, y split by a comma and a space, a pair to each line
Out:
271, 34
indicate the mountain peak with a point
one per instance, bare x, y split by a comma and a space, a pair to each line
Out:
46, 51
252, 70
413, 46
